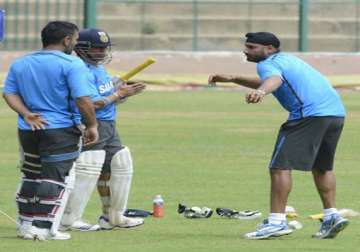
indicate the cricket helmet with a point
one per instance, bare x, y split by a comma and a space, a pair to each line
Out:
94, 38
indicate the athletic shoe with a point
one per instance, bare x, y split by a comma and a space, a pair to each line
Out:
80, 225
60, 236
43, 234
126, 222
267, 230
23, 229
330, 228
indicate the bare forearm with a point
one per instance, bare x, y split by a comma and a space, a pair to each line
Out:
120, 95
87, 111
240, 80
16, 104
246, 81
106, 100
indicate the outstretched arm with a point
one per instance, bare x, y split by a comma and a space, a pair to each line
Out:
243, 81
35, 121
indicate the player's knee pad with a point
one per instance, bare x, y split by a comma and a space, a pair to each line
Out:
26, 197
49, 194
69, 186
120, 184
87, 171
121, 163
29, 164
41, 201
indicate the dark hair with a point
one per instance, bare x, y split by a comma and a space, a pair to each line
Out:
55, 31
263, 38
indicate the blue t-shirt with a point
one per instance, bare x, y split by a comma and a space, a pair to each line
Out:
102, 86
304, 91
47, 81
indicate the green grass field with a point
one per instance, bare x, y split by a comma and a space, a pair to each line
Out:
204, 148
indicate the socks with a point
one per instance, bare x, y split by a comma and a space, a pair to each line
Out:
328, 212
277, 218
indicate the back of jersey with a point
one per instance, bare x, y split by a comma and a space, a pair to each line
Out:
46, 81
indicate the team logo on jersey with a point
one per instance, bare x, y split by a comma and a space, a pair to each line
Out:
103, 37
106, 87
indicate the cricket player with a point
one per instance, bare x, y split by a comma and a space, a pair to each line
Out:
108, 163
306, 141
39, 87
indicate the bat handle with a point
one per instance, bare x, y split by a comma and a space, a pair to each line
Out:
117, 82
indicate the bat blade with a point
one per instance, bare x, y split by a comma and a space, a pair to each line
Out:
137, 69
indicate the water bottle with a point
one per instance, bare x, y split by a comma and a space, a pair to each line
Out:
158, 207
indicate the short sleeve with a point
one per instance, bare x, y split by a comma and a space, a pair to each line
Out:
11, 85
95, 96
78, 79
267, 69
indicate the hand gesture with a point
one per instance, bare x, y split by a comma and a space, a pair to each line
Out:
255, 96
130, 90
35, 121
91, 136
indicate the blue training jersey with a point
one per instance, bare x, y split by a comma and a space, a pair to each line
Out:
47, 81
102, 86
304, 91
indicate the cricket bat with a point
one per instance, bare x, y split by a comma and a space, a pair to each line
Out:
138, 69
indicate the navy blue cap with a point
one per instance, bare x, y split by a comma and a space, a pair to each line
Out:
263, 38
96, 37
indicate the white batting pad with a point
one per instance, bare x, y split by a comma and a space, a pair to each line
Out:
87, 171
69, 184
120, 184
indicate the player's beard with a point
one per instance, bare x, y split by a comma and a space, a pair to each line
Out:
68, 49
255, 58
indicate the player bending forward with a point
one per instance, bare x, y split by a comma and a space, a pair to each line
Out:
306, 141
108, 162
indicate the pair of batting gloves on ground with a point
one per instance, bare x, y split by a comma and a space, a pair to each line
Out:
206, 212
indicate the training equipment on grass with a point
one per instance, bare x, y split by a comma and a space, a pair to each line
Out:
295, 225
242, 215
87, 171
290, 212
158, 206
195, 212
137, 213
344, 212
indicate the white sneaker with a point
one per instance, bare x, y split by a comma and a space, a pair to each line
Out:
44, 234
80, 225
267, 230
104, 223
125, 222
60, 236
23, 230
41, 234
